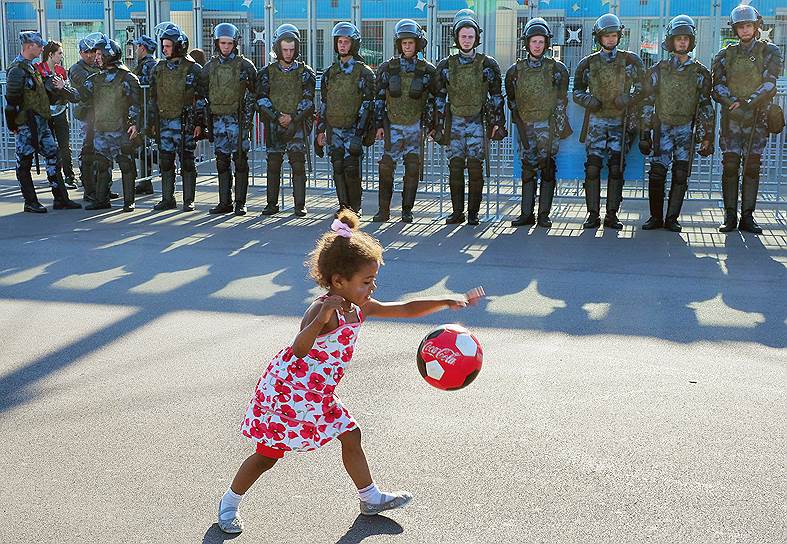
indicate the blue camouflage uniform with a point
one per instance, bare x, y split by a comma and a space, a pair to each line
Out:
605, 106
78, 74
280, 140
402, 140
345, 144
143, 70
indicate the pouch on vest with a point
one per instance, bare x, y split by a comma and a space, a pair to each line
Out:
775, 119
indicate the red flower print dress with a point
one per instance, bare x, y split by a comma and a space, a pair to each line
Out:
294, 407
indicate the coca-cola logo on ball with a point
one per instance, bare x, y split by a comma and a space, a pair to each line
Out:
442, 354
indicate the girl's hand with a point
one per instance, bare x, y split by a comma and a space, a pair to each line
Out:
468, 299
329, 307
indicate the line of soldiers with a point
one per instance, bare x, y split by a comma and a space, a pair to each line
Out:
459, 104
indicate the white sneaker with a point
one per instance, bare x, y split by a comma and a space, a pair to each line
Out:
400, 499
234, 525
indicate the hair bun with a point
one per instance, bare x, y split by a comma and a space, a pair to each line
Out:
349, 218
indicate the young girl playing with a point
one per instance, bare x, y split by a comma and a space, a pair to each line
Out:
294, 407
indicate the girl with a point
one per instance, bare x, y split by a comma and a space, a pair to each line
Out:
294, 407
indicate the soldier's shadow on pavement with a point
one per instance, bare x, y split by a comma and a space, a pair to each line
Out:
214, 535
366, 526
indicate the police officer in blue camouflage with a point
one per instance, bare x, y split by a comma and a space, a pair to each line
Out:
469, 112
677, 113
27, 114
77, 75
404, 113
285, 99
174, 118
227, 92
607, 84
744, 84
145, 52
537, 94
113, 94
345, 115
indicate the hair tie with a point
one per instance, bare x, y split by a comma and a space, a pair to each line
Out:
341, 228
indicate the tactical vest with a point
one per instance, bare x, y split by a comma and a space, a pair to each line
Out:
536, 94
286, 88
467, 89
677, 95
744, 70
405, 109
111, 106
344, 97
32, 99
607, 81
79, 73
225, 90
171, 92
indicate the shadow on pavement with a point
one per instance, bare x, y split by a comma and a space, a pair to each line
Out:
214, 535
366, 526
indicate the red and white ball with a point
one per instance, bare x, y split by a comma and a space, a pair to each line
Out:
450, 357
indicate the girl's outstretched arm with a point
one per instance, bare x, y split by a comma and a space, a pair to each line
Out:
422, 306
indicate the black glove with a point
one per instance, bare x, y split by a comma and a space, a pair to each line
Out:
741, 115
10, 117
593, 105
707, 151
622, 101
356, 146
645, 143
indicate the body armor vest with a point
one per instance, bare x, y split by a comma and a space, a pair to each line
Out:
286, 88
405, 109
676, 99
467, 89
171, 92
536, 94
744, 70
36, 99
80, 72
111, 108
225, 90
344, 97
607, 81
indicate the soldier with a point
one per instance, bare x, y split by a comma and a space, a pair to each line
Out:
744, 83
677, 112
78, 74
173, 117
285, 99
27, 114
146, 49
607, 84
113, 94
463, 82
537, 93
347, 92
404, 111
228, 83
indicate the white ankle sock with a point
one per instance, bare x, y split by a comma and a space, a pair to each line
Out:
373, 495
231, 501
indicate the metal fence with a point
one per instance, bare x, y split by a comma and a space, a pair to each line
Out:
502, 186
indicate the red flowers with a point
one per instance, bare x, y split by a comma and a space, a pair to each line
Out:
298, 368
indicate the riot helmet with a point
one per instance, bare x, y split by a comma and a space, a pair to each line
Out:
745, 14
226, 30
346, 30
606, 24
537, 27
286, 32
407, 28
466, 18
681, 25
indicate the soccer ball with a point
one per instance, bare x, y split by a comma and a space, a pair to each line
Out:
450, 357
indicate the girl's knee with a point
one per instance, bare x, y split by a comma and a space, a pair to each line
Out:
262, 462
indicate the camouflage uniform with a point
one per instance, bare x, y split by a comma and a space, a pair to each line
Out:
744, 73
460, 107
607, 84
172, 111
27, 112
291, 90
347, 92
404, 119
114, 96
537, 95
78, 74
673, 93
226, 92
144, 70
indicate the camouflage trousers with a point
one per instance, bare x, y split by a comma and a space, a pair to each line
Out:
112, 144
734, 136
170, 136
467, 138
605, 136
403, 140
47, 148
296, 143
534, 143
340, 139
674, 143
225, 134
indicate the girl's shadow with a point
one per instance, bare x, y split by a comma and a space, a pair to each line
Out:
365, 526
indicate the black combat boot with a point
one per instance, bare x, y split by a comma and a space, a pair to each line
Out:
241, 182
677, 192
167, 171
749, 188
547, 193
386, 168
352, 180
456, 183
273, 183
475, 189
103, 181
298, 168
412, 171
128, 175
730, 170
26, 185
224, 176
593, 191
656, 178
528, 203
614, 192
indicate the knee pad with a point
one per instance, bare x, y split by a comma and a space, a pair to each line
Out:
275, 160
730, 161
658, 172
613, 165
549, 170
297, 161
593, 167
412, 162
126, 164
222, 162
456, 163
752, 166
187, 162
475, 170
241, 161
25, 162
166, 161
387, 165
680, 172
102, 162
352, 166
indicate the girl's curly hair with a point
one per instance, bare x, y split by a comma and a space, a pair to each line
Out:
335, 254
